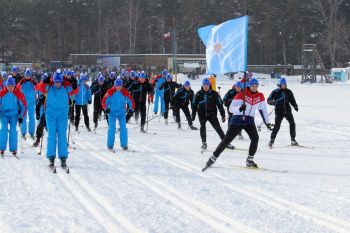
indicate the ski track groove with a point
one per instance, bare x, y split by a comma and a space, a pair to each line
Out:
109, 227
105, 205
187, 205
284, 205
83, 201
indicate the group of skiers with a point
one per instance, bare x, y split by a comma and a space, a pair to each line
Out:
57, 101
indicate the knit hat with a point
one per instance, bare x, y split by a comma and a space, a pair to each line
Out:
205, 82
254, 81
118, 82
10, 81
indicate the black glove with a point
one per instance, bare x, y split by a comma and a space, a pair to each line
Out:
242, 108
37, 117
108, 110
20, 120
270, 126
89, 101
296, 108
223, 119
74, 85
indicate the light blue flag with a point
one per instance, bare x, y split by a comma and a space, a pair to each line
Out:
226, 46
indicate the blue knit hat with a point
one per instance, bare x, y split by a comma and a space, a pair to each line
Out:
10, 81
58, 76
164, 73
283, 81
205, 82
187, 84
118, 82
112, 75
142, 75
253, 81
27, 73
168, 76
132, 74
70, 73
101, 78
14, 69
238, 84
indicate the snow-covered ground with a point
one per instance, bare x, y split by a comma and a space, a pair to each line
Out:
160, 187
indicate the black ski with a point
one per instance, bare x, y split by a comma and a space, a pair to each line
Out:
205, 168
53, 169
260, 169
66, 169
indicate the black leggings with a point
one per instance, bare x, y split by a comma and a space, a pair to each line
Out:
232, 132
213, 120
278, 121
186, 112
78, 109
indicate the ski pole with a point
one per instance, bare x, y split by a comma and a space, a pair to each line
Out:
41, 142
147, 115
259, 126
21, 139
152, 118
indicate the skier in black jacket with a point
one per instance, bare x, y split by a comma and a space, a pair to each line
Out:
15, 74
74, 82
98, 88
169, 90
282, 98
206, 102
182, 98
139, 91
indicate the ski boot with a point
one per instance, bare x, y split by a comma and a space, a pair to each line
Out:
178, 125
14, 153
88, 128
250, 162
32, 137
52, 162
2, 153
193, 127
211, 161
63, 163
231, 147
271, 143
240, 136
166, 121
36, 143
294, 143
142, 130
125, 148
76, 128
204, 146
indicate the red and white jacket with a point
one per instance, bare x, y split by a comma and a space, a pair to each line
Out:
254, 101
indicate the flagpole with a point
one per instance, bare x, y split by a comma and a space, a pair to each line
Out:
174, 50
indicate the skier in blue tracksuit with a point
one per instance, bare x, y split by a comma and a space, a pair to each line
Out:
56, 113
12, 109
114, 103
27, 86
159, 93
82, 99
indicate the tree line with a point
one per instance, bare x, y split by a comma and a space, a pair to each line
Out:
45, 30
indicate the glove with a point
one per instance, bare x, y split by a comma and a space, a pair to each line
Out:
296, 108
108, 110
270, 126
242, 108
223, 119
37, 117
89, 101
20, 120
74, 85
150, 99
